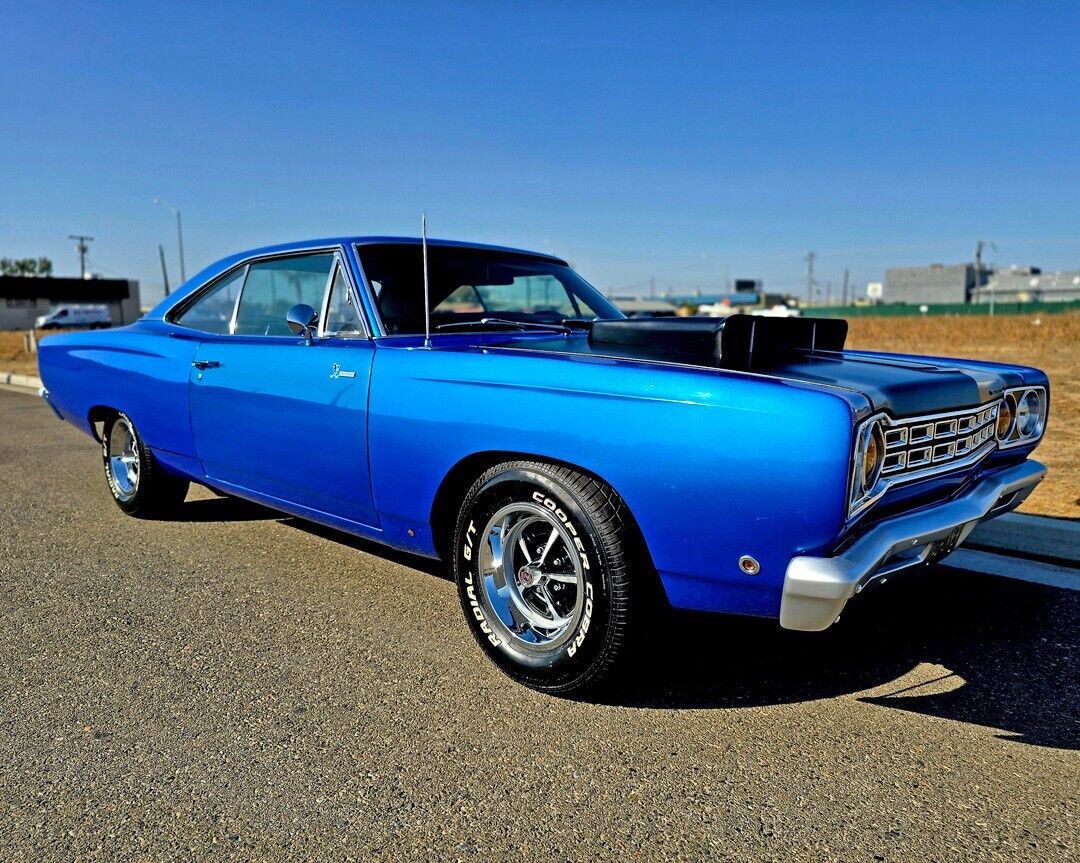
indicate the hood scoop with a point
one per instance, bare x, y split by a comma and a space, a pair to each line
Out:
738, 342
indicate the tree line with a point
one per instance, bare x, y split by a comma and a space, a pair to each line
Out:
25, 267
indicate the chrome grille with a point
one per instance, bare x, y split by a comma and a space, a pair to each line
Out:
915, 444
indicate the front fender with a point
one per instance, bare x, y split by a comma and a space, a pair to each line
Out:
712, 464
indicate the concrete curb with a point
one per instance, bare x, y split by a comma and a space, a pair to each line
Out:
1019, 568
27, 382
1054, 540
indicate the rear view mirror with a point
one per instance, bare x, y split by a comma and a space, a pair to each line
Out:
301, 320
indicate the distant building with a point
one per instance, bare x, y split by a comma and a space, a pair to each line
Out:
23, 298
937, 283
956, 283
636, 307
1029, 284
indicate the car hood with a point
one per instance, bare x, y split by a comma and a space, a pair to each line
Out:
898, 384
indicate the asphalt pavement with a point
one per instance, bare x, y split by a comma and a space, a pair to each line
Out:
236, 684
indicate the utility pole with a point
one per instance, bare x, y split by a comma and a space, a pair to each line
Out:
164, 272
845, 290
652, 288
810, 277
978, 274
83, 248
828, 293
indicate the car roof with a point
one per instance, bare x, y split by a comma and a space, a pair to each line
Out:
299, 245
218, 267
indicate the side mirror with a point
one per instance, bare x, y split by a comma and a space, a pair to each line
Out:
301, 320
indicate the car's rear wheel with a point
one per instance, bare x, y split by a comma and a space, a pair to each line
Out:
541, 568
138, 484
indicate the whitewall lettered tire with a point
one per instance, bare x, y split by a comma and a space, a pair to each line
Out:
540, 563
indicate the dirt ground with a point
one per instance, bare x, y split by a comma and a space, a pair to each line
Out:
1049, 342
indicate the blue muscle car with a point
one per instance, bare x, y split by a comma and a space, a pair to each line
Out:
573, 466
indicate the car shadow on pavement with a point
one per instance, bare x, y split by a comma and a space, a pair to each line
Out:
413, 561
947, 643
990, 651
222, 509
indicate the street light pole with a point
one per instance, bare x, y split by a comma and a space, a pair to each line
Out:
179, 235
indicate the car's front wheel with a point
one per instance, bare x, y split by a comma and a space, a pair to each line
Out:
540, 560
138, 484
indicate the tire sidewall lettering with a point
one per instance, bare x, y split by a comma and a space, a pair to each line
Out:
550, 505
470, 589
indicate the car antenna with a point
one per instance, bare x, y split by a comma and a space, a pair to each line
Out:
427, 300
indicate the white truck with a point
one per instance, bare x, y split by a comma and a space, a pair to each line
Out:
74, 316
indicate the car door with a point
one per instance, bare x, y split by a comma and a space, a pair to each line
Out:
279, 417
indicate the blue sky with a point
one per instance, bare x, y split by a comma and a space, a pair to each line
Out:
690, 143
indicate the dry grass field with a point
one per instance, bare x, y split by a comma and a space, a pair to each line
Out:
1050, 342
12, 356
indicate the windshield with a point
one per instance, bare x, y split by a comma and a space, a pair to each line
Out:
467, 285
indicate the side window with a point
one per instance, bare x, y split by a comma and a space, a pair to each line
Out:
342, 317
273, 287
212, 312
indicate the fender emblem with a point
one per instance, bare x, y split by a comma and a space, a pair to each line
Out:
337, 372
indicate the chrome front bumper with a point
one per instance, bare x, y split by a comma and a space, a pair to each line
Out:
816, 589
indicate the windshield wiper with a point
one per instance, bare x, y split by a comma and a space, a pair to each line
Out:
505, 322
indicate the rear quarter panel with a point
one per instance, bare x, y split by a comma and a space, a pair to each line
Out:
141, 370
712, 464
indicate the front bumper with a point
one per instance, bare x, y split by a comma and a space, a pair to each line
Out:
816, 589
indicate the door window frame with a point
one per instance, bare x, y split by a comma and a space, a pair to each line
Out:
354, 296
339, 260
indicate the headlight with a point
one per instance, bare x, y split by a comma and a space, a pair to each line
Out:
1005, 418
1028, 414
1021, 417
872, 454
868, 460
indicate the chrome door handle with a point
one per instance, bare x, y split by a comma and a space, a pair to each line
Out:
206, 364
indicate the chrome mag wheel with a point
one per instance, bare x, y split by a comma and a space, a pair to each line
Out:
531, 576
123, 460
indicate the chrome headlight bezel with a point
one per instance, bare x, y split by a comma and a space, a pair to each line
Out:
1006, 414
1029, 409
863, 487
